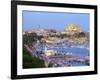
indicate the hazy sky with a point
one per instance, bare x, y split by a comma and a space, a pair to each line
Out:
52, 20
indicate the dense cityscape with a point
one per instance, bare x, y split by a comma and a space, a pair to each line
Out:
52, 48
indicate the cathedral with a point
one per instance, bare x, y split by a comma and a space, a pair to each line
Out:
71, 29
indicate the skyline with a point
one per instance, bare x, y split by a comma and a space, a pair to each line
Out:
54, 20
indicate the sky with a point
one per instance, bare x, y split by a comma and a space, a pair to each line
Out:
54, 20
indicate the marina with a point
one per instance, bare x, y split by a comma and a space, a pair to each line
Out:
62, 55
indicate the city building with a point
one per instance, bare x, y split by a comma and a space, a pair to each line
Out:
71, 29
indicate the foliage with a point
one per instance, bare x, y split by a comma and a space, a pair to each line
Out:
81, 34
31, 62
29, 38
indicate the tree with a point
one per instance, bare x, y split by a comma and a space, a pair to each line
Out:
53, 31
81, 34
29, 38
31, 62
